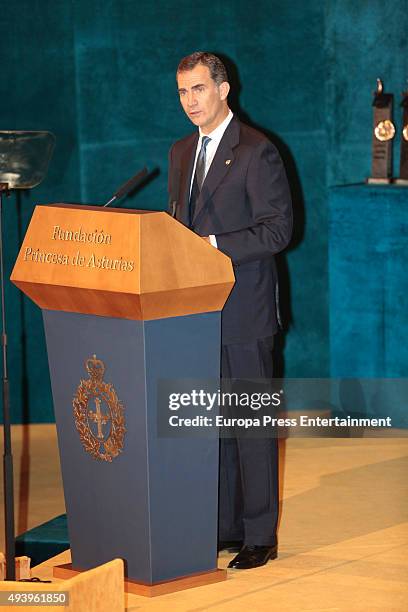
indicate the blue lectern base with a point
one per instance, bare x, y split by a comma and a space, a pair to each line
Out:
130, 493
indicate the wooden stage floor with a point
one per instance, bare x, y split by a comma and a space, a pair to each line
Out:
343, 531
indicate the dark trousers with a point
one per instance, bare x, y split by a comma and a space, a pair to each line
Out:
249, 492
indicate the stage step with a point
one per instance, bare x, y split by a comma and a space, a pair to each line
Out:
44, 541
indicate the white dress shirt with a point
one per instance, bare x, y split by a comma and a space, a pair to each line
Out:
210, 152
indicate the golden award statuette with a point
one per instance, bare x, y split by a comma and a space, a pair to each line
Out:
403, 173
382, 136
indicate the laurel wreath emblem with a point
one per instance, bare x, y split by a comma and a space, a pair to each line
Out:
109, 447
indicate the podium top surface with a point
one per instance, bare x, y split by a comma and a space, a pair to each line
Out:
134, 264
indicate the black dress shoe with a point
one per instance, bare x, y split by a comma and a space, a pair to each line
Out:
253, 556
230, 545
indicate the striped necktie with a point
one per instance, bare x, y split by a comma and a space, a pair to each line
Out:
199, 176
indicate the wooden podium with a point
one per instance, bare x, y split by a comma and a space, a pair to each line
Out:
129, 298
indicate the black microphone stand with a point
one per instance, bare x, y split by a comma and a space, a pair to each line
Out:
24, 159
7, 456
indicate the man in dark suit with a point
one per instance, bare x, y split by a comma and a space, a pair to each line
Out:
228, 184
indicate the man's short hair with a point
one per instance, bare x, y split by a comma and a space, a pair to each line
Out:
217, 69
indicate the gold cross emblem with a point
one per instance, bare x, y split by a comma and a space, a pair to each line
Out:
102, 445
98, 417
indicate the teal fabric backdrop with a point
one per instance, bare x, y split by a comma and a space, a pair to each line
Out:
369, 282
100, 75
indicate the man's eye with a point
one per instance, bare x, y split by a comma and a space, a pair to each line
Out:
181, 93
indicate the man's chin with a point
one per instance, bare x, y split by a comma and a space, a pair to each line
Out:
198, 120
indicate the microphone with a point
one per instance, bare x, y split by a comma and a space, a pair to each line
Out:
128, 186
175, 192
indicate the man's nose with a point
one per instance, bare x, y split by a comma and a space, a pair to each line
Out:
191, 99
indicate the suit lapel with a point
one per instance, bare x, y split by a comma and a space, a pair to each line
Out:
222, 162
186, 169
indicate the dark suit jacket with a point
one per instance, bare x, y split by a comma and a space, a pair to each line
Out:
245, 202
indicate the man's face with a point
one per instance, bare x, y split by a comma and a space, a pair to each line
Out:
204, 102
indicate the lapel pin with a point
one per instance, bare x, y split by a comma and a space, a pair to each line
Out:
227, 162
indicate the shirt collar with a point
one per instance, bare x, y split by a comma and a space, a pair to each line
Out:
218, 133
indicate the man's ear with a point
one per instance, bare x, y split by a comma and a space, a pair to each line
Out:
224, 90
